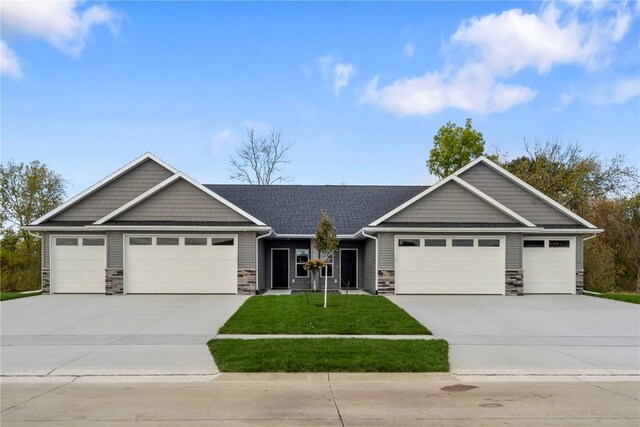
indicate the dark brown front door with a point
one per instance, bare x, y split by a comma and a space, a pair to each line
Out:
349, 268
280, 268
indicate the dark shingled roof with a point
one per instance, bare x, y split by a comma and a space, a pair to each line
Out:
453, 224
295, 209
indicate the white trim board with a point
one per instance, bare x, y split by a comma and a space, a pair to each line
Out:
102, 183
527, 187
166, 183
470, 188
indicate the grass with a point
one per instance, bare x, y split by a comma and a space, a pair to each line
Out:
5, 296
632, 298
290, 314
330, 355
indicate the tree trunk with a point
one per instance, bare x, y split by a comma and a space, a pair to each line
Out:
326, 270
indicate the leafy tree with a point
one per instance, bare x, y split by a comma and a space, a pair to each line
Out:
27, 191
259, 159
326, 242
453, 147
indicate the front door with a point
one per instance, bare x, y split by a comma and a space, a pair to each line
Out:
280, 268
349, 268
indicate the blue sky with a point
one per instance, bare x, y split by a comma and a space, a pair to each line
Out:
360, 87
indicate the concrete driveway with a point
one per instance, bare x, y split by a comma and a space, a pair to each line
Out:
532, 334
111, 335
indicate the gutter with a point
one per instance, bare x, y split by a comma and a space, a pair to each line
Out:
363, 233
257, 262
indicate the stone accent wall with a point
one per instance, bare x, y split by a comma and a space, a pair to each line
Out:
386, 282
514, 282
246, 281
579, 281
46, 281
114, 281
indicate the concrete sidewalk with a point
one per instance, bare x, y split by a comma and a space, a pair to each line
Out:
319, 399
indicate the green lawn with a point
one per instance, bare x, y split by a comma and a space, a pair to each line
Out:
330, 355
5, 296
290, 314
632, 298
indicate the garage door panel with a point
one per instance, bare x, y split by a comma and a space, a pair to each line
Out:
451, 269
193, 265
76, 268
549, 270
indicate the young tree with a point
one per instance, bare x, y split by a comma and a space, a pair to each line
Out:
326, 242
259, 159
454, 147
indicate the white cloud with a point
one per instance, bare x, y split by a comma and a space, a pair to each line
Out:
64, 24
342, 73
409, 50
338, 72
624, 90
9, 62
497, 47
220, 139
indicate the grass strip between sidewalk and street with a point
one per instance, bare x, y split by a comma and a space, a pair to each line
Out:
353, 315
330, 355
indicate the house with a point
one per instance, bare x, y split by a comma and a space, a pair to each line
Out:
149, 228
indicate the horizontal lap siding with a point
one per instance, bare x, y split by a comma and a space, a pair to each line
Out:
513, 196
579, 253
292, 245
451, 203
45, 250
262, 257
386, 249
181, 201
369, 257
247, 250
116, 193
514, 251
114, 249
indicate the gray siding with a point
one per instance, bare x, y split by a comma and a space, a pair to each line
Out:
181, 201
292, 245
116, 193
451, 203
347, 244
45, 250
386, 257
114, 249
262, 258
514, 250
579, 252
247, 250
513, 196
369, 261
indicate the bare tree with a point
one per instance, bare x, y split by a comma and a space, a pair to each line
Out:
259, 159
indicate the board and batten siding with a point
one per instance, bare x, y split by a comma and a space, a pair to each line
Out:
451, 203
513, 196
369, 261
116, 193
181, 201
246, 246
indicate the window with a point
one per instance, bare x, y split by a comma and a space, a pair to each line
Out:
559, 244
99, 241
195, 241
466, 243
329, 268
140, 241
222, 241
66, 241
302, 256
534, 243
167, 241
432, 243
409, 242
489, 243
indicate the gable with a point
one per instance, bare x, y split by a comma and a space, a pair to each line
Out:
514, 196
116, 193
180, 201
451, 203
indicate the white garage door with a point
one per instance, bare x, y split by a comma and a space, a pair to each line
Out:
450, 265
549, 265
181, 265
77, 264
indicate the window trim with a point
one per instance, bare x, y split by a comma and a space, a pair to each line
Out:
297, 263
333, 268
473, 242
424, 242
77, 239
419, 245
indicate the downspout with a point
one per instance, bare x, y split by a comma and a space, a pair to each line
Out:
257, 253
376, 240
39, 236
